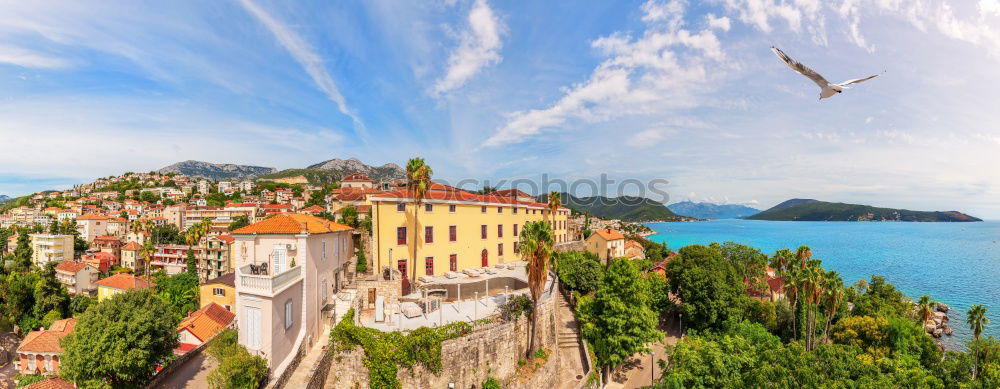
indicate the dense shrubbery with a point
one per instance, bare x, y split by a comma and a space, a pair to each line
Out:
386, 351
237, 369
515, 307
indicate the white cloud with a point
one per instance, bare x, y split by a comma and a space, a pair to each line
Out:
721, 23
479, 48
989, 7
759, 13
304, 55
30, 59
641, 76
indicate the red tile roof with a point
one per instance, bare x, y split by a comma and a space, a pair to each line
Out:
207, 321
51, 383
356, 177
457, 195
292, 223
228, 279
609, 234
91, 216
511, 193
47, 341
71, 267
125, 281
228, 239
132, 246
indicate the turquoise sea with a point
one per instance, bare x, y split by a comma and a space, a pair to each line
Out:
954, 263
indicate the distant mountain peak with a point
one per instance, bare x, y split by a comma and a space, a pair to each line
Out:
343, 167
707, 210
217, 171
815, 210
4, 198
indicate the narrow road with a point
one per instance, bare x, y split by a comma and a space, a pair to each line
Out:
568, 343
193, 374
640, 371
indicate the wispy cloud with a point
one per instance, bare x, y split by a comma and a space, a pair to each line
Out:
30, 59
480, 47
304, 54
660, 69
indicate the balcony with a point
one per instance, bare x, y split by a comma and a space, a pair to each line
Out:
267, 285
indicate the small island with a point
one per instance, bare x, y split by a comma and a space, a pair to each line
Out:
815, 210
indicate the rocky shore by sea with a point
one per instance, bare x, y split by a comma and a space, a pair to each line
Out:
937, 323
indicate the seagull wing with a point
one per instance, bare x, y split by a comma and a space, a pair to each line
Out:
857, 80
802, 69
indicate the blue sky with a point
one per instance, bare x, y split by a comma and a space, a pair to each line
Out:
485, 89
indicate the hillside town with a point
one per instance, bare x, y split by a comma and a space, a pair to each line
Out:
272, 267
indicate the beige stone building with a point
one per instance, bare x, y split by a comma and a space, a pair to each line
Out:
47, 248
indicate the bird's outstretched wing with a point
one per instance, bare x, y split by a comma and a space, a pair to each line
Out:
802, 69
857, 80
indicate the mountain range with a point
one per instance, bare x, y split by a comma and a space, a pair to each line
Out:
217, 171
627, 208
815, 210
705, 210
325, 172
4, 198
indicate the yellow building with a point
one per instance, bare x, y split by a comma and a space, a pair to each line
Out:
119, 283
219, 290
606, 243
456, 230
47, 248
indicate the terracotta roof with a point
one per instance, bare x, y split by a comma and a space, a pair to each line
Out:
364, 208
106, 238
91, 216
226, 238
356, 177
511, 193
132, 246
47, 341
314, 209
99, 256
72, 267
51, 383
609, 234
292, 223
207, 321
125, 281
228, 279
275, 206
456, 195
632, 243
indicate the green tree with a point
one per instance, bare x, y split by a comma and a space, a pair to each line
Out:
192, 263
536, 247
179, 291
579, 271
618, 321
976, 317
51, 317
925, 308
349, 216
50, 294
120, 341
237, 368
239, 222
708, 286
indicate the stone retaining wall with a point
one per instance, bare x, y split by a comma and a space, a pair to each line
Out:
576, 245
492, 350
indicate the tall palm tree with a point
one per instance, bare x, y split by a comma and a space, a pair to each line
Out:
925, 307
793, 285
147, 256
535, 246
977, 321
555, 202
418, 182
834, 295
782, 258
804, 253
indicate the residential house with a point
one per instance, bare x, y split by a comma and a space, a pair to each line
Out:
220, 290
356, 180
109, 244
634, 250
456, 230
280, 305
102, 261
47, 248
606, 243
202, 325
40, 352
120, 283
79, 277
92, 226
117, 226
131, 256
51, 383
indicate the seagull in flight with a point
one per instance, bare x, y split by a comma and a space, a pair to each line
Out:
828, 89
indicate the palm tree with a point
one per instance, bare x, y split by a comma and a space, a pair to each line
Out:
536, 247
793, 285
804, 253
555, 202
925, 307
977, 321
418, 181
781, 260
147, 256
834, 295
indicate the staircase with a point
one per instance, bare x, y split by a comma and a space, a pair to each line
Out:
568, 342
342, 304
